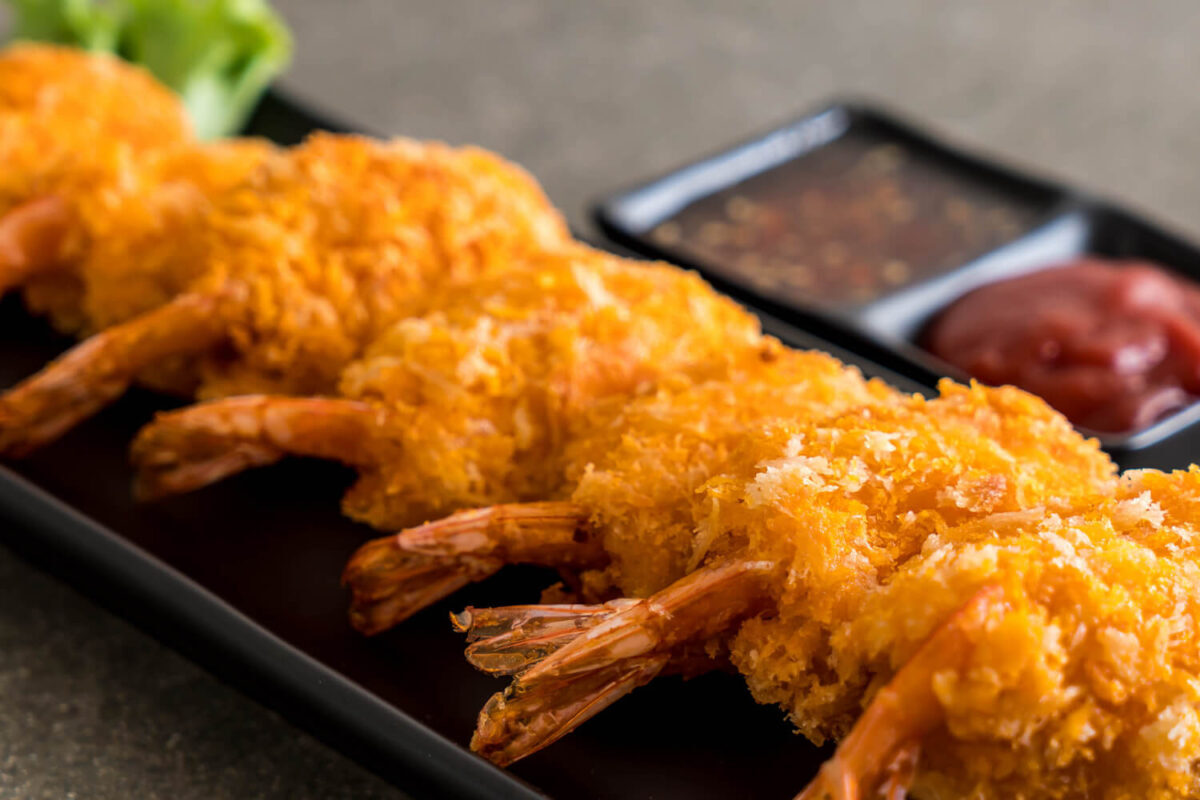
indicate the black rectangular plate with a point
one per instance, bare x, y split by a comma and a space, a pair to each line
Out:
886, 329
243, 578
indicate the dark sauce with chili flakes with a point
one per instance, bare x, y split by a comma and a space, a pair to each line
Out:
846, 223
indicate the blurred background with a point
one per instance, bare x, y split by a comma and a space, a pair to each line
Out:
593, 97
596, 96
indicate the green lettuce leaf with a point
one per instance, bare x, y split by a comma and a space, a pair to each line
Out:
219, 55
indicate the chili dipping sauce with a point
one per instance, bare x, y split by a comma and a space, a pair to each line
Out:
846, 223
1115, 346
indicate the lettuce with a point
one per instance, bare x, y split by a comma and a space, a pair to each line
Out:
219, 55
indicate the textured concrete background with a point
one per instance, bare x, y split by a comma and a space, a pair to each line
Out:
592, 96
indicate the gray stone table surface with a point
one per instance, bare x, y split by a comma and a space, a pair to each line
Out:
592, 96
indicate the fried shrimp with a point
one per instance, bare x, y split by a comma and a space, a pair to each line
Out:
138, 233
793, 529
667, 443
72, 126
299, 267
1077, 678
961, 590
474, 402
69, 84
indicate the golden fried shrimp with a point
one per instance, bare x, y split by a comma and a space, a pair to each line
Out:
69, 84
473, 403
832, 507
1080, 680
304, 263
628, 472
131, 238
72, 125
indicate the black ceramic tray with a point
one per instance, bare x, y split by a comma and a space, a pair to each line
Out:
1059, 223
243, 578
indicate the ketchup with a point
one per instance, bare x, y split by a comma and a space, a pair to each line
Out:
1115, 346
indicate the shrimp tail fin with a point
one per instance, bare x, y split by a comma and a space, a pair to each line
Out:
524, 719
880, 752
571, 662
511, 639
394, 577
157, 478
185, 450
95, 372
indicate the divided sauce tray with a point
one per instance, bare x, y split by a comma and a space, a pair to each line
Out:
1047, 223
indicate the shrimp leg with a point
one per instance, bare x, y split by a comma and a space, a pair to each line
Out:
31, 237
195, 446
394, 577
100, 369
569, 669
881, 748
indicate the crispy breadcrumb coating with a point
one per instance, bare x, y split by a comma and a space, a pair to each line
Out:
78, 127
641, 466
889, 519
484, 392
339, 237
73, 123
841, 505
275, 283
94, 92
764, 456
1089, 686
137, 235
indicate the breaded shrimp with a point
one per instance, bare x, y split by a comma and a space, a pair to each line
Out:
66, 83
474, 402
805, 518
627, 481
1079, 677
72, 125
286, 277
132, 237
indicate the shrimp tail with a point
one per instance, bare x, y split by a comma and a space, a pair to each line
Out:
100, 369
511, 639
881, 749
522, 720
184, 450
571, 662
394, 577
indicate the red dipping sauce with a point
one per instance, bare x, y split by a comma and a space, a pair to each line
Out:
1115, 346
